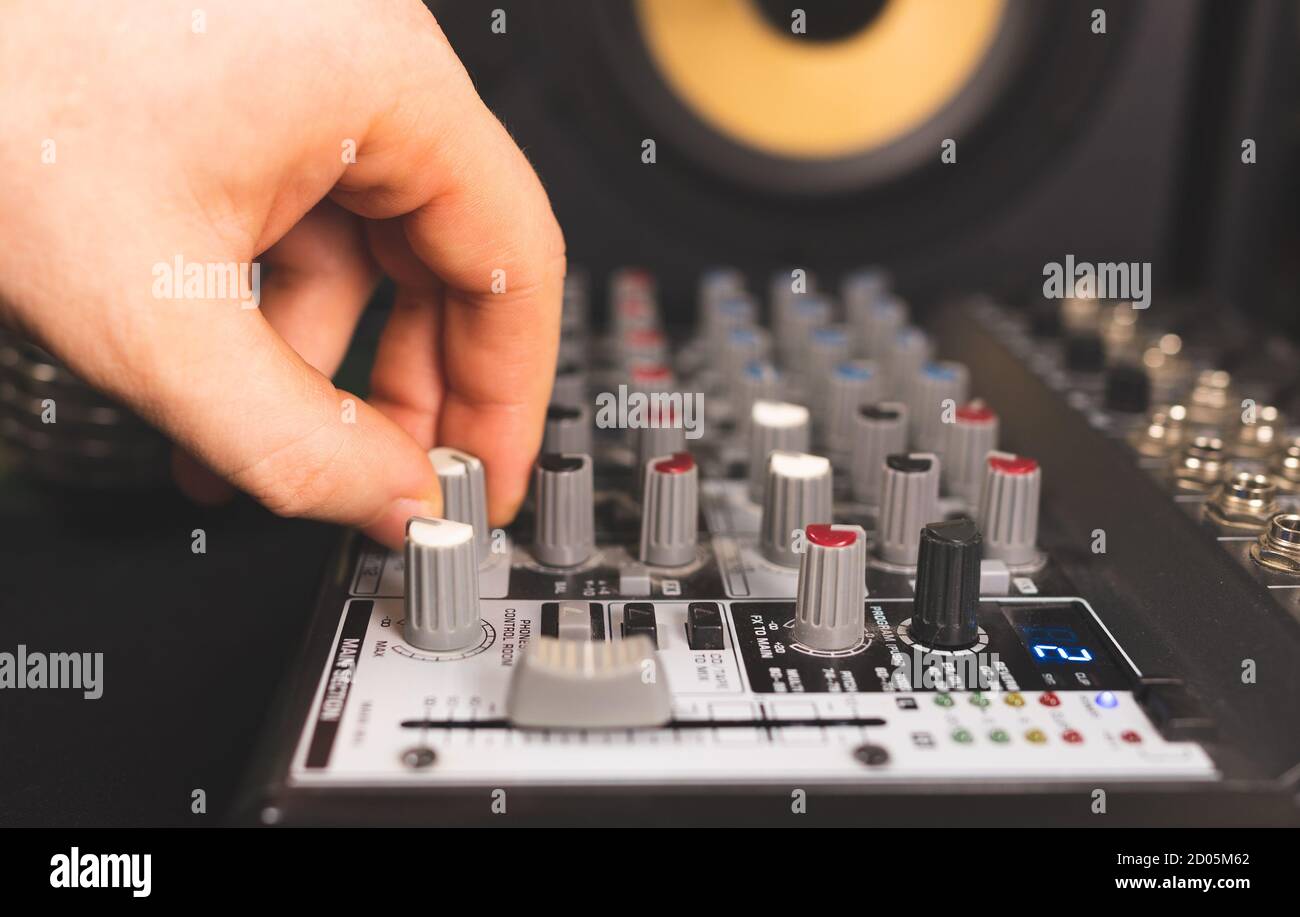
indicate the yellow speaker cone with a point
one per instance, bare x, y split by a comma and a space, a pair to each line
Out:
791, 96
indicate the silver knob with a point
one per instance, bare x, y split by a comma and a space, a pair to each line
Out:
658, 441
642, 345
742, 347
727, 315
759, 381
568, 429
863, 287
670, 510
441, 575
774, 425
799, 491
827, 346
879, 430
464, 493
903, 358
876, 324
564, 532
716, 284
795, 326
829, 609
1008, 513
936, 392
850, 385
910, 501
970, 438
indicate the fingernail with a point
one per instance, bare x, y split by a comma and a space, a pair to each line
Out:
390, 527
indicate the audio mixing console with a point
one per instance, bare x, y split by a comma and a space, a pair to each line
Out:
815, 559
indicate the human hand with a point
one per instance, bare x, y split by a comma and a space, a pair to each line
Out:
138, 134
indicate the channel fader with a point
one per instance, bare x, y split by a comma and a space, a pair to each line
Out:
863, 570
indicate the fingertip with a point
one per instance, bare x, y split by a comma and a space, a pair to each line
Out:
389, 528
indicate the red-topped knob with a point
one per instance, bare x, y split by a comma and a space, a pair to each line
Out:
1012, 464
680, 463
830, 536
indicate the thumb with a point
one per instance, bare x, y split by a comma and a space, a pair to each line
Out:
301, 446
227, 388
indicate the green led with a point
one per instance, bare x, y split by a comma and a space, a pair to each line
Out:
944, 700
979, 700
962, 736
1000, 736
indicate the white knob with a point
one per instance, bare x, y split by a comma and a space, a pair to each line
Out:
441, 575
799, 492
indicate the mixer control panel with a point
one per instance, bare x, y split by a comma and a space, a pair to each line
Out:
782, 552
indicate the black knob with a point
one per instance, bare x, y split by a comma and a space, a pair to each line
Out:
947, 586
1085, 352
1128, 388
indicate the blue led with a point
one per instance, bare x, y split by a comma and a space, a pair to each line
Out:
853, 371
742, 334
1107, 699
939, 371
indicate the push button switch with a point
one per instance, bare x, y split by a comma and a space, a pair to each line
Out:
639, 619
704, 626
1174, 711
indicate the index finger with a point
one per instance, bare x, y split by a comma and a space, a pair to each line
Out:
476, 217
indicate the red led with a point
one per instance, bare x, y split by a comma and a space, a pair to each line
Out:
680, 463
1130, 736
821, 533
976, 412
1016, 464
1050, 700
1073, 736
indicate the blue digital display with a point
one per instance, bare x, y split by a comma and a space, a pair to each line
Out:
1055, 646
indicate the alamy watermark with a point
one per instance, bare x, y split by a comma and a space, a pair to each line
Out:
1128, 280
236, 280
633, 410
103, 870
23, 670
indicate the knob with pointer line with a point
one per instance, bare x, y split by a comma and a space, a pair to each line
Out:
564, 533
670, 510
947, 586
829, 613
441, 578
